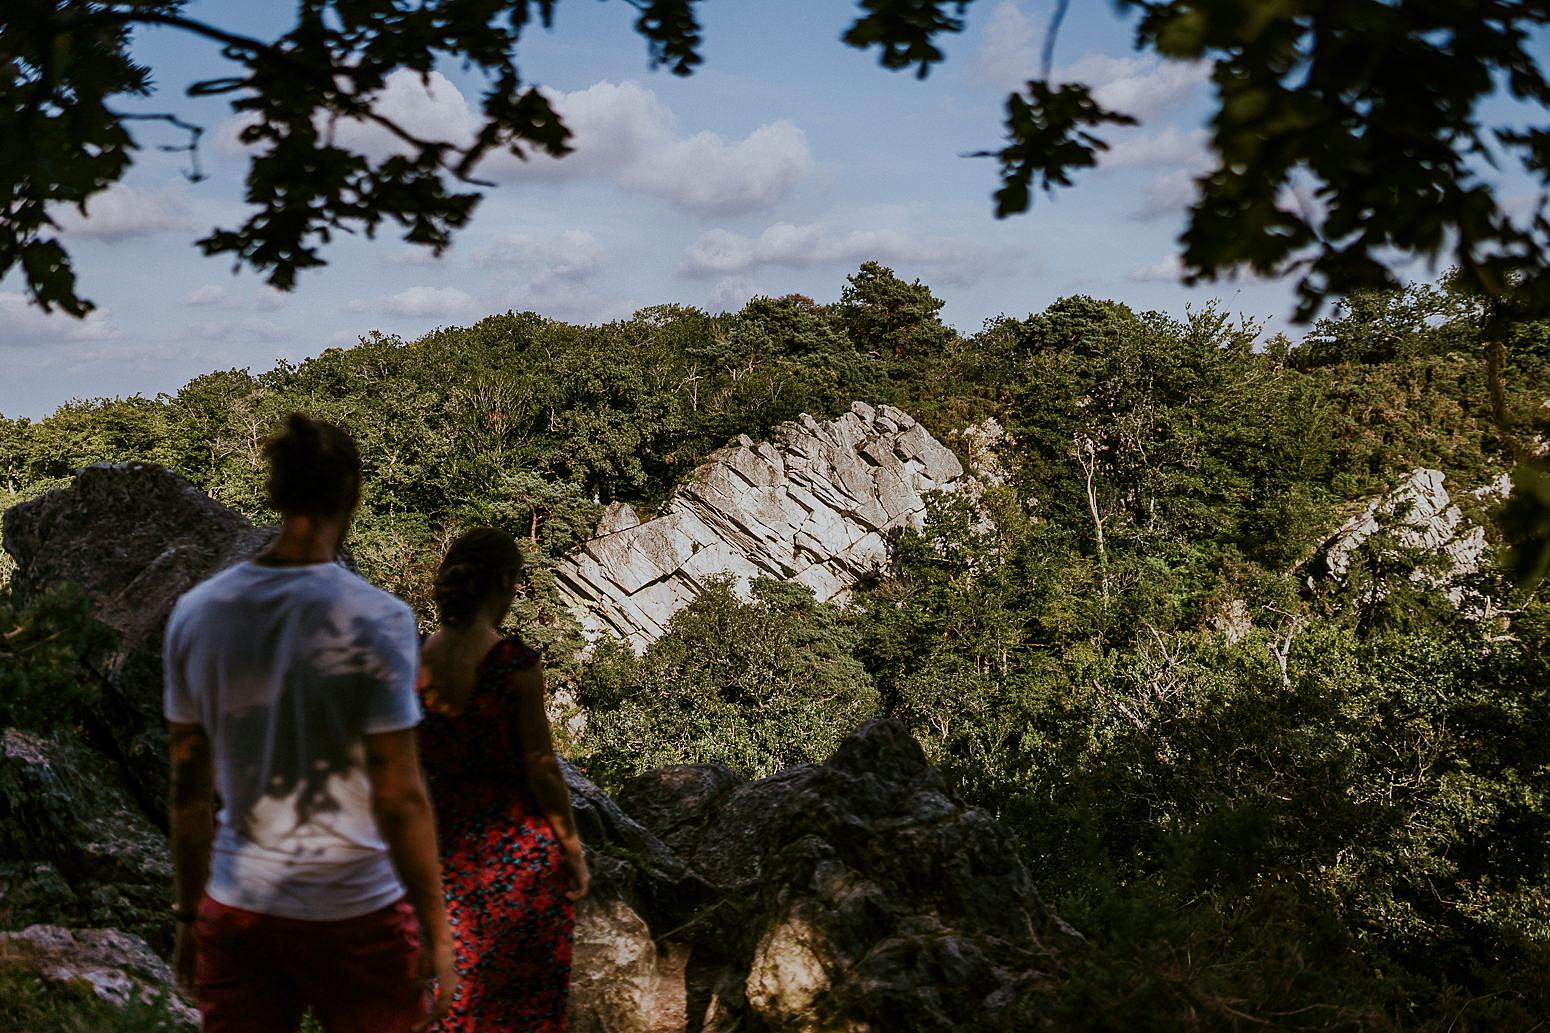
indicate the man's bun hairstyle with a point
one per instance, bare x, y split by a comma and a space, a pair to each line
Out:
478, 563
314, 468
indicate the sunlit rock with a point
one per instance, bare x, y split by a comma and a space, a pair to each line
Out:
818, 505
1420, 518
114, 966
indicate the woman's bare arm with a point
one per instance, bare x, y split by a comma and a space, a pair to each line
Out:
545, 776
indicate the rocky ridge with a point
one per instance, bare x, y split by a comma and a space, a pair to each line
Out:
855, 895
816, 505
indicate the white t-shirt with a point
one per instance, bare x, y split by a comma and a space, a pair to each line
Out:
286, 669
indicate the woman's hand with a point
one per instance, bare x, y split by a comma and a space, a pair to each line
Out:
441, 982
576, 872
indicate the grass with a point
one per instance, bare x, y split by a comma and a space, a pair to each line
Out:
32, 1004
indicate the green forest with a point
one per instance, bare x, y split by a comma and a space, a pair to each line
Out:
1268, 796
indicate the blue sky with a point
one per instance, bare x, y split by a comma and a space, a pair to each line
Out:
780, 166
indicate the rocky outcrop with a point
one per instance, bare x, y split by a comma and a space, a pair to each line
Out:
857, 895
76, 847
1419, 517
134, 536
815, 505
113, 966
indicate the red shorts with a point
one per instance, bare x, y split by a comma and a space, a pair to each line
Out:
258, 973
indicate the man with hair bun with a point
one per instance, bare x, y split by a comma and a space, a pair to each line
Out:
290, 695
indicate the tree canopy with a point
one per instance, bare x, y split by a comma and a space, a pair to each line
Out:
1346, 132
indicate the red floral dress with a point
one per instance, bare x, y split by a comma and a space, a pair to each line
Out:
501, 862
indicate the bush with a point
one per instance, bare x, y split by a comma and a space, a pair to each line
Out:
757, 686
35, 1005
46, 649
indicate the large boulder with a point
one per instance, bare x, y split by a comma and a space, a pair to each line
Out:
112, 966
134, 537
76, 847
627, 976
856, 895
818, 504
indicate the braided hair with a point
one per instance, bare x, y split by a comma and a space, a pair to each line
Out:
314, 469
478, 564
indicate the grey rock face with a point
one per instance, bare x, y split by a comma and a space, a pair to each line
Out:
134, 537
982, 443
77, 848
1420, 516
115, 966
816, 505
853, 895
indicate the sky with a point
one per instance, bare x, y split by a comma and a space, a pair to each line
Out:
780, 166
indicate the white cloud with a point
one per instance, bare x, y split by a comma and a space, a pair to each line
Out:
209, 294
721, 253
432, 108
22, 322
731, 293
428, 303
417, 256
122, 212
1169, 269
710, 175
1011, 54
572, 302
269, 299
620, 133
1137, 86
1167, 193
245, 330
612, 125
215, 295
262, 330
573, 256
1166, 149
624, 133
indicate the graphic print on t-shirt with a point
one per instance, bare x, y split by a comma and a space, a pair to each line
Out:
287, 669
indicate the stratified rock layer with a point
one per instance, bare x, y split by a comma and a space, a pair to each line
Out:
815, 505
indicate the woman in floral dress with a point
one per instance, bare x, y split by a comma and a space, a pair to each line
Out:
511, 858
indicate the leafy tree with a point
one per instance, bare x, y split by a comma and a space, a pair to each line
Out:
757, 685
794, 325
44, 680
884, 314
1369, 111
1379, 326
